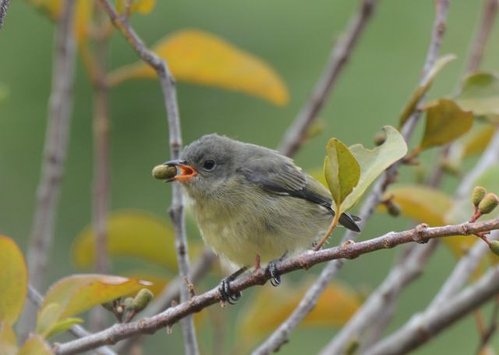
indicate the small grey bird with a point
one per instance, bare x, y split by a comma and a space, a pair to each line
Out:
252, 204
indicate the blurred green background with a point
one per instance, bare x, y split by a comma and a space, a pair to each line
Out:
295, 37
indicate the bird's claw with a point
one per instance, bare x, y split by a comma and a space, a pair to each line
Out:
275, 277
226, 294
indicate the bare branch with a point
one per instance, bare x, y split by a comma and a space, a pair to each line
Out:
427, 325
419, 234
482, 35
4, 5
295, 135
55, 149
175, 139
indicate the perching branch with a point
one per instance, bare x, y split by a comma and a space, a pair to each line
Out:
349, 250
54, 155
340, 54
175, 138
373, 199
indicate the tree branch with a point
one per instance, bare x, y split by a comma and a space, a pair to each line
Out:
349, 250
427, 325
55, 150
4, 5
175, 138
340, 54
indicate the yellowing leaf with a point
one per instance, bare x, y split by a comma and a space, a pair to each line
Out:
341, 170
77, 293
35, 345
202, 58
480, 94
142, 7
13, 280
445, 121
416, 96
374, 161
272, 306
130, 233
8, 342
421, 203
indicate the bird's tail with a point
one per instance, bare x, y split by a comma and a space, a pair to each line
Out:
348, 221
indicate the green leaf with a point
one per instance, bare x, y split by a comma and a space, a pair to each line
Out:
77, 293
130, 233
13, 279
341, 170
8, 342
445, 121
416, 96
35, 345
480, 94
374, 161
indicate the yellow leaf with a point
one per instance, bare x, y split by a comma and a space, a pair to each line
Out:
272, 306
202, 58
8, 342
35, 345
142, 7
13, 280
130, 233
445, 121
77, 293
421, 203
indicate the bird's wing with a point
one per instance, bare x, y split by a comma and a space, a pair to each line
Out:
282, 177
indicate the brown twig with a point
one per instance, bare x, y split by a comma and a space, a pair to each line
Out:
482, 35
419, 234
296, 133
55, 149
175, 138
4, 5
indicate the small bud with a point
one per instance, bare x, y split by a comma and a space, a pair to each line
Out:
379, 138
450, 167
393, 209
488, 203
142, 299
477, 195
494, 246
164, 172
128, 304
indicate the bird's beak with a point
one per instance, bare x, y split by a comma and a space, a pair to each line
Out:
185, 172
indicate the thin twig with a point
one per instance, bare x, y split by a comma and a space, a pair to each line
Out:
419, 234
55, 150
479, 42
279, 336
427, 325
4, 5
340, 54
175, 138
77, 330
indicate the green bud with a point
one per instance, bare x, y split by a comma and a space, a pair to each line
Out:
450, 167
164, 172
477, 195
488, 203
494, 246
393, 209
142, 299
128, 303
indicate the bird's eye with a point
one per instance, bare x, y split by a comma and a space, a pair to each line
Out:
209, 164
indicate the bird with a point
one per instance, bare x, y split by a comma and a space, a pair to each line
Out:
252, 204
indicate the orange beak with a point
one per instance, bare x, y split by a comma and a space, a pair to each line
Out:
185, 172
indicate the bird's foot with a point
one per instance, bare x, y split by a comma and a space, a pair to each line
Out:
226, 294
273, 272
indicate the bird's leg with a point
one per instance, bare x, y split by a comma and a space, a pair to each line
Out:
257, 262
275, 277
224, 288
